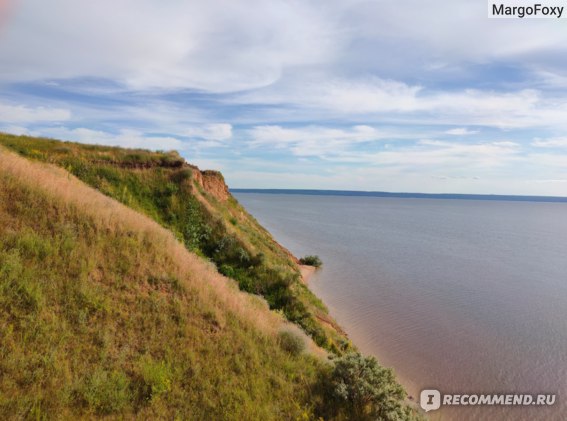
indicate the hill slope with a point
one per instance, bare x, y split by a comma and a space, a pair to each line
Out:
105, 313
198, 208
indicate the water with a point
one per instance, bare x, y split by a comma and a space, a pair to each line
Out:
460, 296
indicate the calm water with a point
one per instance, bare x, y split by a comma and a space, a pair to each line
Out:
460, 296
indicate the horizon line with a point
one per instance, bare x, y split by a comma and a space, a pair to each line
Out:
411, 195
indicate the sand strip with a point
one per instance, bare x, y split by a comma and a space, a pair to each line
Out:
306, 273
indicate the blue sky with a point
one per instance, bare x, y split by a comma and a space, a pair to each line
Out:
414, 96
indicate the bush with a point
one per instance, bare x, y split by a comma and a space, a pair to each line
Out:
291, 342
364, 390
311, 261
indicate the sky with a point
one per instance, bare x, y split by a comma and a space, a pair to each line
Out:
400, 96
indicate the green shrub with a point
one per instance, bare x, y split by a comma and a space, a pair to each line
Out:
311, 261
364, 390
227, 271
291, 342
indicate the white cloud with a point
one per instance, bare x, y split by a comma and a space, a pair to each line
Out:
313, 140
213, 132
17, 130
552, 79
344, 146
391, 179
322, 92
461, 131
561, 180
126, 138
433, 154
554, 142
426, 32
24, 114
375, 99
359, 97
216, 45
277, 135
289, 67
223, 46
549, 161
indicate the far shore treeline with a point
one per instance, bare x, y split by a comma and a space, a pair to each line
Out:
508, 198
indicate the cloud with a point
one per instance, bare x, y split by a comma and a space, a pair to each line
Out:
357, 88
218, 46
277, 135
361, 96
557, 162
324, 92
17, 130
24, 114
388, 179
126, 138
435, 155
366, 145
313, 140
422, 34
554, 142
213, 132
393, 101
223, 46
461, 131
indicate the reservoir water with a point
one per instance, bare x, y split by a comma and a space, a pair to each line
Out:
456, 295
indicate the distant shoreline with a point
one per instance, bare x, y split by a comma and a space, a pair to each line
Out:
450, 196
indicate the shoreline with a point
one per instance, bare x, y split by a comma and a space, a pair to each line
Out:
307, 273
411, 388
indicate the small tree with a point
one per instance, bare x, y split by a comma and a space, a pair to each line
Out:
311, 261
365, 390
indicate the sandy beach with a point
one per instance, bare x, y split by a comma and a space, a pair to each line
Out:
306, 273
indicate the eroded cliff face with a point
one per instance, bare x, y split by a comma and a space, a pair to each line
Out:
212, 182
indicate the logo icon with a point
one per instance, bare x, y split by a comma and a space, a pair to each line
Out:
430, 399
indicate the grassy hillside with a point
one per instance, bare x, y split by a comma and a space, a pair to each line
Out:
197, 207
105, 313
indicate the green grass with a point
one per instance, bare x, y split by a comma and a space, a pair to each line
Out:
98, 318
161, 186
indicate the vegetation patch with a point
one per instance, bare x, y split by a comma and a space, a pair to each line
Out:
291, 342
163, 187
311, 261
